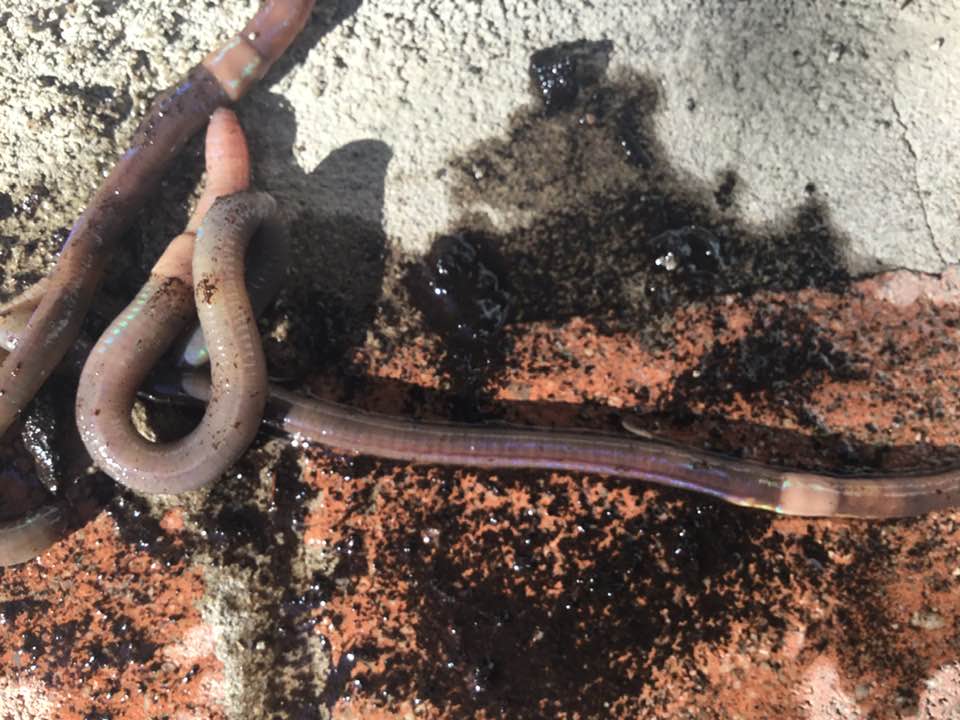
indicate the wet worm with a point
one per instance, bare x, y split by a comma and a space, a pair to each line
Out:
740, 482
201, 272
24, 537
228, 171
222, 77
743, 483
227, 160
137, 339
130, 459
237, 396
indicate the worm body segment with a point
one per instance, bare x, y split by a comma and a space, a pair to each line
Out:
740, 482
131, 346
749, 484
172, 120
26, 537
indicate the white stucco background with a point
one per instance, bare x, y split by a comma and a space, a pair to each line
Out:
863, 100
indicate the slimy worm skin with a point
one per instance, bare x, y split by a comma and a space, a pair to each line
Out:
55, 324
203, 264
266, 268
248, 55
744, 483
174, 117
239, 396
131, 346
26, 537
152, 323
228, 171
739, 482
79, 501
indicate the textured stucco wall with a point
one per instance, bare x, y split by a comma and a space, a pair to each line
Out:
860, 100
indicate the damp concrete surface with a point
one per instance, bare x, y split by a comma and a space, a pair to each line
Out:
735, 224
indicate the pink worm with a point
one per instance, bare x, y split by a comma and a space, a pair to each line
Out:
58, 304
206, 259
223, 77
238, 397
228, 171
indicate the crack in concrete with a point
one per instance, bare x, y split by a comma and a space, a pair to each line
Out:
916, 180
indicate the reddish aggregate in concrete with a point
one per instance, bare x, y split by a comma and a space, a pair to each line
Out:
99, 628
539, 595
459, 593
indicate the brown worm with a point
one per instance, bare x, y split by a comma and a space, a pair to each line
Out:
744, 483
58, 304
228, 171
132, 345
223, 77
80, 498
237, 393
206, 260
740, 482
748, 484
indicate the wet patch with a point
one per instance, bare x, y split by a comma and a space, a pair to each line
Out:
537, 597
461, 291
559, 72
782, 358
521, 594
99, 636
607, 228
6, 206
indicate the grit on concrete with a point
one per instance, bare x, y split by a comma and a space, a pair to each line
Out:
362, 122
860, 99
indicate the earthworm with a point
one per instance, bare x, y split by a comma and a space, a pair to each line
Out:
228, 170
222, 77
131, 346
740, 482
135, 341
24, 537
78, 501
744, 483
266, 269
